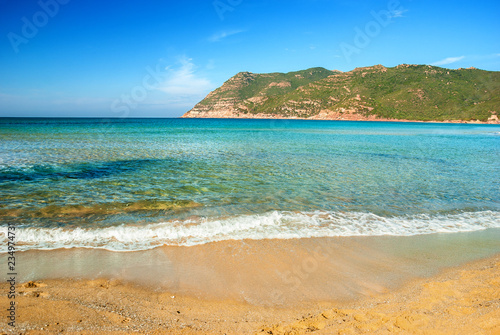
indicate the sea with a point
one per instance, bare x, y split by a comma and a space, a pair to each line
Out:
138, 184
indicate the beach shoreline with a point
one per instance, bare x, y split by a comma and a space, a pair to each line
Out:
327, 285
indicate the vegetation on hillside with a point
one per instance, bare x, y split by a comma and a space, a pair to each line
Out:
412, 92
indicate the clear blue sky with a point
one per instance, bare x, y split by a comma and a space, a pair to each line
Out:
158, 58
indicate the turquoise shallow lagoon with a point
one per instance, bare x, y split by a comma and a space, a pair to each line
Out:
136, 184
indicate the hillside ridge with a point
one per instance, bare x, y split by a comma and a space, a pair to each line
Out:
402, 93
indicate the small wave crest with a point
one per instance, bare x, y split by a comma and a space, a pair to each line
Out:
272, 225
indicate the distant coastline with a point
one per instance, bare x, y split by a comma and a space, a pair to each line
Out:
274, 117
257, 117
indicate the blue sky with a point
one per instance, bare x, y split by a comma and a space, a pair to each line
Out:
158, 58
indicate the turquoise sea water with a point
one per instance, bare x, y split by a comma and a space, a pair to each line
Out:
135, 184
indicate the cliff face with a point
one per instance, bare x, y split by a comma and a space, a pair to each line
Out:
239, 94
404, 92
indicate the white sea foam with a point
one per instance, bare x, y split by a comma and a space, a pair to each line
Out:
279, 225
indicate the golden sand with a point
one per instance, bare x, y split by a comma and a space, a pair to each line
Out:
460, 300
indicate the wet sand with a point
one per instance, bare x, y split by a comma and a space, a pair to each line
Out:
432, 283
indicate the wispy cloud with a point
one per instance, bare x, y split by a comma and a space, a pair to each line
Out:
448, 60
184, 81
223, 34
398, 13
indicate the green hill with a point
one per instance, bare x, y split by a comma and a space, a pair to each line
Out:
404, 92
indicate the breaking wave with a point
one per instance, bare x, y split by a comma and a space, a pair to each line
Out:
271, 225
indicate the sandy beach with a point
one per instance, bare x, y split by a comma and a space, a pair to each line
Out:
372, 285
462, 300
